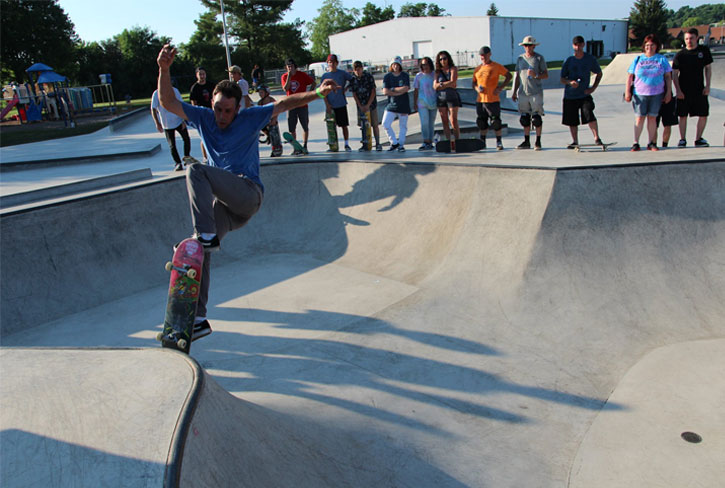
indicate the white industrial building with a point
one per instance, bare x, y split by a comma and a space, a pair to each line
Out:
415, 37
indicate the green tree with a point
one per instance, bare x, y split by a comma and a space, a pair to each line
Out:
692, 22
492, 10
332, 18
206, 47
421, 9
372, 14
138, 48
35, 31
648, 17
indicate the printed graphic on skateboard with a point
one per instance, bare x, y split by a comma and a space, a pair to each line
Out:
331, 132
367, 132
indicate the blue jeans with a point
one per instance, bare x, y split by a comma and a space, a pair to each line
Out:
427, 122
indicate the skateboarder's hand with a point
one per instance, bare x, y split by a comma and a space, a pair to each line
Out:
166, 56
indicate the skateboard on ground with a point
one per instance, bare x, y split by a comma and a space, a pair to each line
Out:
460, 145
296, 145
184, 287
331, 132
275, 140
188, 160
367, 131
603, 146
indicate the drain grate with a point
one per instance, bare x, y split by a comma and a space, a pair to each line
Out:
691, 437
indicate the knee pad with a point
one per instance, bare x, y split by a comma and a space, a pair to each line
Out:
525, 120
496, 123
536, 120
482, 123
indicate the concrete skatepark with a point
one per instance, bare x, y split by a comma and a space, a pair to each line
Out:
512, 318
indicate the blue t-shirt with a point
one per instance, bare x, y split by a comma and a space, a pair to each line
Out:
579, 69
337, 99
649, 74
236, 148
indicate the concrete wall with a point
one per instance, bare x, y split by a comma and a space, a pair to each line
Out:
417, 36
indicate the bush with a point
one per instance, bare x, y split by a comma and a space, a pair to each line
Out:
676, 44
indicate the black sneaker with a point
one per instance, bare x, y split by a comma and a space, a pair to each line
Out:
573, 145
394, 147
179, 167
599, 142
701, 143
210, 245
499, 146
537, 146
202, 329
682, 143
635, 147
524, 145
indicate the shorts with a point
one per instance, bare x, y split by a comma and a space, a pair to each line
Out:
488, 110
448, 98
300, 113
668, 114
341, 119
531, 104
695, 105
576, 107
647, 105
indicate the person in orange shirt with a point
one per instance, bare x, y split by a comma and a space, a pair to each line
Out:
486, 81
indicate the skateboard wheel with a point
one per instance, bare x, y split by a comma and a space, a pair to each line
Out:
191, 273
159, 336
169, 266
181, 343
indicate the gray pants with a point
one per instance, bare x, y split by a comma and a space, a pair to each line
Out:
220, 203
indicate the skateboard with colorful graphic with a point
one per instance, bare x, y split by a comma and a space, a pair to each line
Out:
331, 132
184, 287
367, 132
299, 149
460, 145
604, 146
275, 140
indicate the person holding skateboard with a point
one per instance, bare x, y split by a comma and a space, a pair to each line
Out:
296, 81
336, 102
227, 192
364, 93
578, 102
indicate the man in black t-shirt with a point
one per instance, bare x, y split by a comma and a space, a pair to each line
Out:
692, 69
200, 94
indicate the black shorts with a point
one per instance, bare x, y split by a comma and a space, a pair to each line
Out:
341, 119
300, 113
574, 108
694, 105
488, 110
448, 98
668, 114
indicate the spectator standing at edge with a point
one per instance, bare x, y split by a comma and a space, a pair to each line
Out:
486, 82
425, 100
200, 95
296, 81
237, 76
396, 85
168, 123
578, 104
649, 85
225, 194
692, 87
364, 93
446, 81
257, 76
335, 100
530, 70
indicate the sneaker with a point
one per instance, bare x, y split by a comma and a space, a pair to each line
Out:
348, 148
682, 143
635, 147
179, 167
573, 145
598, 142
210, 245
484, 142
499, 146
701, 143
524, 145
378, 147
393, 147
363, 148
664, 144
304, 150
401, 149
202, 329
652, 147
424, 147
537, 146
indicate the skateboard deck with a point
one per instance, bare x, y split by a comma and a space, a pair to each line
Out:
184, 287
331, 132
187, 160
367, 131
603, 146
296, 145
460, 145
275, 140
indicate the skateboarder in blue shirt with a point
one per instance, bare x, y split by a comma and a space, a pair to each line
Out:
225, 194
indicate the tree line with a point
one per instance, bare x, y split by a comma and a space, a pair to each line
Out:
653, 17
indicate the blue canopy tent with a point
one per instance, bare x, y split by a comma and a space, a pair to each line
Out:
45, 74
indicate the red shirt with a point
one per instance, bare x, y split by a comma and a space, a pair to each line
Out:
300, 82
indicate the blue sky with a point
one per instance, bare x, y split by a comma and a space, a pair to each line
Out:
97, 21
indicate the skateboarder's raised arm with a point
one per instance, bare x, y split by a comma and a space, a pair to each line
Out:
300, 99
167, 97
